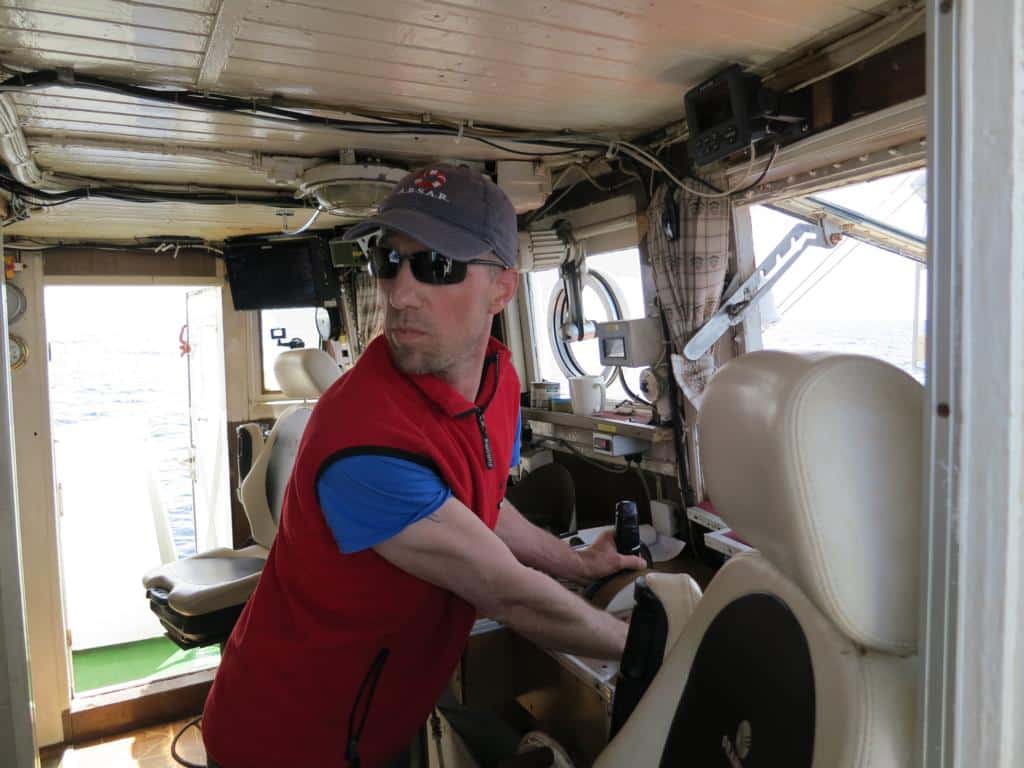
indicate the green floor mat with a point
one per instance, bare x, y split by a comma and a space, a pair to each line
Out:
115, 664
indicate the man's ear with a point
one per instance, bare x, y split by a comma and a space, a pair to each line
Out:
503, 289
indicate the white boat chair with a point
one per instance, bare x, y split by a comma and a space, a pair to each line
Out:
802, 653
198, 599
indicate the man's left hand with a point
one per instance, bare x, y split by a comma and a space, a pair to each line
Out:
601, 558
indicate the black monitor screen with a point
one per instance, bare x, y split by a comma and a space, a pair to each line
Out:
614, 348
278, 275
714, 106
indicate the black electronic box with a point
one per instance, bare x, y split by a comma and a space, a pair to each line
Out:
278, 274
732, 110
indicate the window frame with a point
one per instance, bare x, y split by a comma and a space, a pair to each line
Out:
528, 317
747, 336
254, 331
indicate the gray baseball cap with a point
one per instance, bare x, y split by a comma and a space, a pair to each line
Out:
451, 209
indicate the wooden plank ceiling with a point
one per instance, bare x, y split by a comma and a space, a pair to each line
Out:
588, 65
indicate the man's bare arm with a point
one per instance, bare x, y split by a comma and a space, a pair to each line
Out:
537, 548
453, 549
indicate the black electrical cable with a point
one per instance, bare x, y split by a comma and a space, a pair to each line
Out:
764, 172
750, 186
371, 124
614, 469
678, 433
52, 205
635, 465
632, 395
174, 744
496, 145
221, 103
136, 195
552, 203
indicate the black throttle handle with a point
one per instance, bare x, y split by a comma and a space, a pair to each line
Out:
627, 542
627, 532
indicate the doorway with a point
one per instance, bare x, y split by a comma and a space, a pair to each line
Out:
139, 445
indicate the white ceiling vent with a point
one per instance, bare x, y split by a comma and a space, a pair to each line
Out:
349, 190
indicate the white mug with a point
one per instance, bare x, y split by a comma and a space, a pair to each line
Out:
587, 394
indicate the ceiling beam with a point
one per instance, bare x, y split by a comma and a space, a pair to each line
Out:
222, 38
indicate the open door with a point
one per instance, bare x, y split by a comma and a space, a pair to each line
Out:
207, 395
122, 448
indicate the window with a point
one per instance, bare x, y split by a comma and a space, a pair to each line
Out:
855, 297
898, 201
614, 286
283, 329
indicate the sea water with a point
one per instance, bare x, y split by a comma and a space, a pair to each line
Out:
119, 389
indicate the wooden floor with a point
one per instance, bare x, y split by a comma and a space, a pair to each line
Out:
146, 748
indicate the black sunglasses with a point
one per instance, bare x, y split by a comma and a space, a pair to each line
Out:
428, 267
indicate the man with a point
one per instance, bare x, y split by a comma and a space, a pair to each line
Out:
395, 532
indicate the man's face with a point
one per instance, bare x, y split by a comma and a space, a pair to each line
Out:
434, 328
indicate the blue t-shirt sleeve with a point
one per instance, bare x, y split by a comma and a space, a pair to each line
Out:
368, 499
516, 441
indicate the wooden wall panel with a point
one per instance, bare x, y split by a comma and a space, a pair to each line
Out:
91, 262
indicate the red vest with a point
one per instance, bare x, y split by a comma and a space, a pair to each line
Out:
306, 643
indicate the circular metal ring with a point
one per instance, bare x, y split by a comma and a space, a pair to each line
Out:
16, 302
19, 351
609, 296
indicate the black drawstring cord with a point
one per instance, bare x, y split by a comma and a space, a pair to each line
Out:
369, 681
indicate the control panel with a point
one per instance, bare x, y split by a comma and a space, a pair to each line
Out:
718, 115
618, 445
632, 343
732, 110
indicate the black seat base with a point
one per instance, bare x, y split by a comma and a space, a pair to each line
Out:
188, 632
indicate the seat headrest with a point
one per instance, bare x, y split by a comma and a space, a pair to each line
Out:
305, 374
816, 460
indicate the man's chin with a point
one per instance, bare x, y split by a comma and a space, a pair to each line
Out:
410, 361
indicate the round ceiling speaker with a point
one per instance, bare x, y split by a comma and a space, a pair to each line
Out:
354, 191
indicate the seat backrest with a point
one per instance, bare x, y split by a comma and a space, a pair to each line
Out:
816, 461
304, 374
547, 497
800, 653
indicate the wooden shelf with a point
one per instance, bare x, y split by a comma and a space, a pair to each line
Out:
647, 432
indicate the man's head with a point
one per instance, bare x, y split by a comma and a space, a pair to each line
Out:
445, 263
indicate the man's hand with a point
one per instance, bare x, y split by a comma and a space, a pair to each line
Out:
454, 550
601, 558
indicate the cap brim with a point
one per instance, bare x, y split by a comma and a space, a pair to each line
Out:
452, 241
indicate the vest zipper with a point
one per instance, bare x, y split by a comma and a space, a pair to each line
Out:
488, 456
478, 410
369, 685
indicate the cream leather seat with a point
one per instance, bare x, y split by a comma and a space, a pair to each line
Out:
803, 652
199, 598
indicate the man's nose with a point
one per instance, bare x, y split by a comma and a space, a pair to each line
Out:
403, 289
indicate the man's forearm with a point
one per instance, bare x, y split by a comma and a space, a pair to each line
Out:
454, 550
536, 547
552, 617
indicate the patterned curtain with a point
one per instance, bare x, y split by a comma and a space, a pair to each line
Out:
689, 273
369, 310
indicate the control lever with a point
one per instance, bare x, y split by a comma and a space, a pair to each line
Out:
627, 532
824, 234
643, 655
627, 542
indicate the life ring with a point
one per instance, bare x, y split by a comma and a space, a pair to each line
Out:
431, 179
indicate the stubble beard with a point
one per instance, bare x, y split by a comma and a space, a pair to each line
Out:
414, 361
